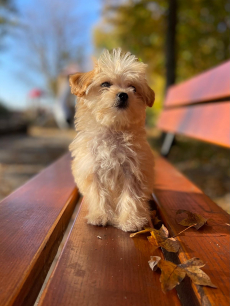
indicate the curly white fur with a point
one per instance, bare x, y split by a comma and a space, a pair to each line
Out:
112, 161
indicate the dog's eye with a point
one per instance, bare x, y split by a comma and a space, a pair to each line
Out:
106, 84
134, 88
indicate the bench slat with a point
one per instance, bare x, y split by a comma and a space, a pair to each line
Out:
32, 221
208, 86
211, 243
207, 122
111, 271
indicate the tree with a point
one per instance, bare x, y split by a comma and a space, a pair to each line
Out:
201, 31
171, 46
50, 39
139, 27
7, 9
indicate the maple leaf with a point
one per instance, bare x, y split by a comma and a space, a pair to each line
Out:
172, 274
199, 277
192, 219
159, 238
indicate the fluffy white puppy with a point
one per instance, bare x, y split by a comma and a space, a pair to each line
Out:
112, 160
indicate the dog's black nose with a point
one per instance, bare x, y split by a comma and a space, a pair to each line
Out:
123, 100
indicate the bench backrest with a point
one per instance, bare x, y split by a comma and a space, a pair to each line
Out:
200, 107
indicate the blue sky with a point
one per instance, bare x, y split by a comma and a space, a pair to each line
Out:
13, 88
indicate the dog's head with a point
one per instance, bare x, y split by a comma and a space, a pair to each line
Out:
115, 92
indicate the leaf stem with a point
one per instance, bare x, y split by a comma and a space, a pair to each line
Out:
183, 230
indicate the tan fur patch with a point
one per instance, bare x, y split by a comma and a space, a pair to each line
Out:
80, 81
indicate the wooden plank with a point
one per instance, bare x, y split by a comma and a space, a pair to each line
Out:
210, 243
207, 122
208, 86
32, 222
111, 271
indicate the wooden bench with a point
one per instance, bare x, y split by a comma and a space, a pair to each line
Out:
199, 108
112, 270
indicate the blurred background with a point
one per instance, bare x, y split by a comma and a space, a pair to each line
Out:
43, 41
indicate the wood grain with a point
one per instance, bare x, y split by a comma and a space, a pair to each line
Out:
32, 221
210, 243
207, 122
111, 271
208, 86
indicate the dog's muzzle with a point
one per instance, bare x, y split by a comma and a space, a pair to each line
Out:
122, 100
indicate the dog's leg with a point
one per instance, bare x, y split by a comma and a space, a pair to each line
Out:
133, 207
98, 204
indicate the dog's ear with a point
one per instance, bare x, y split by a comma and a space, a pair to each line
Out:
80, 81
149, 96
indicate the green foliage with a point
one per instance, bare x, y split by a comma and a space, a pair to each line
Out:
131, 26
140, 27
6, 10
203, 34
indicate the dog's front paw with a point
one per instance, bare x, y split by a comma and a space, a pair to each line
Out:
132, 225
97, 219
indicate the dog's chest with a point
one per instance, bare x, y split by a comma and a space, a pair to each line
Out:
113, 147
114, 155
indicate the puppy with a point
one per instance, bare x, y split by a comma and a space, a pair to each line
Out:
112, 161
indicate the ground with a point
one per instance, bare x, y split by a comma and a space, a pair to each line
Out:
22, 156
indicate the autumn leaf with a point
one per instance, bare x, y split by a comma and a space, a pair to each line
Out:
199, 277
171, 245
146, 230
192, 219
156, 220
159, 238
172, 274
154, 217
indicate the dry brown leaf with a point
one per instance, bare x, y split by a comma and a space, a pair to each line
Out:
192, 219
183, 230
156, 220
154, 217
199, 277
153, 242
153, 262
164, 233
171, 275
146, 230
159, 238
171, 245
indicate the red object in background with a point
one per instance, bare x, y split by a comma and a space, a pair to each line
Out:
35, 93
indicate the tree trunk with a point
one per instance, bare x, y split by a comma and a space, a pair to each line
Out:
171, 43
